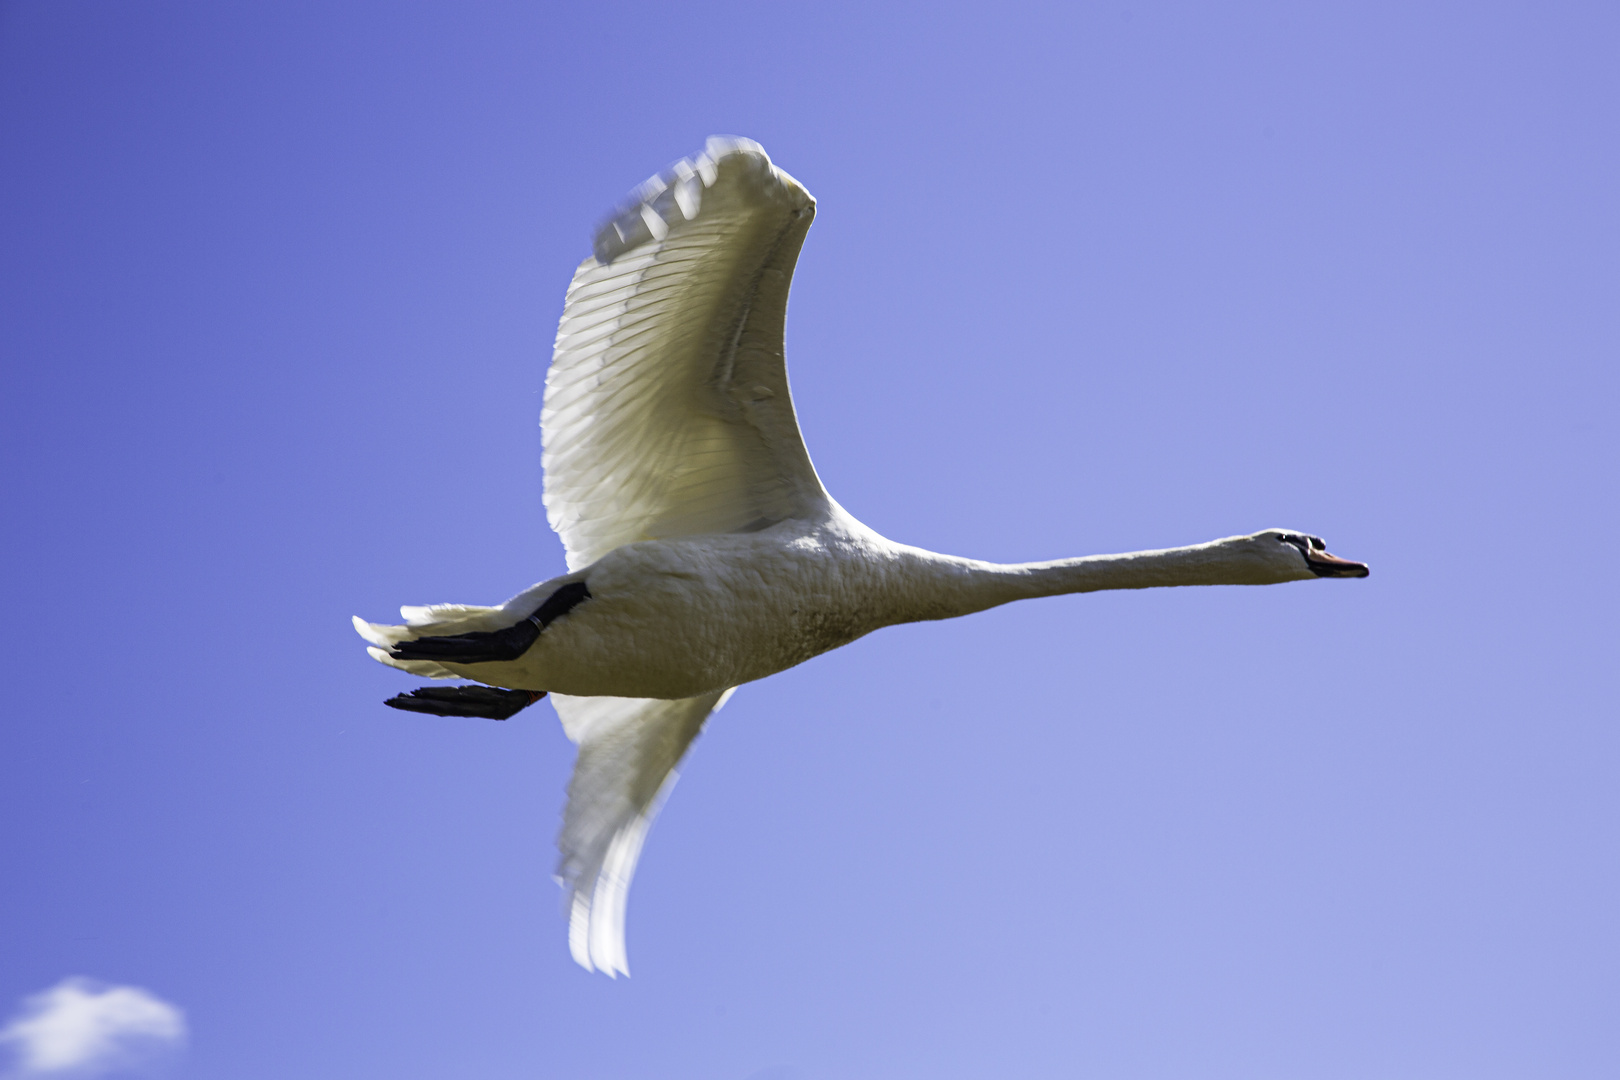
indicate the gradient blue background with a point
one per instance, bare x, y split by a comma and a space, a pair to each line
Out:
277, 290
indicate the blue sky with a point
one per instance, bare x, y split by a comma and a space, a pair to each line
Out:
277, 290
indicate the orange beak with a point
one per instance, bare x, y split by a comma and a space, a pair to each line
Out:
1324, 565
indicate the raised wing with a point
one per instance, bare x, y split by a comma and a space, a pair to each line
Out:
628, 750
667, 410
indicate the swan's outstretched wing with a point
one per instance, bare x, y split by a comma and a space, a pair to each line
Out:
667, 410
628, 750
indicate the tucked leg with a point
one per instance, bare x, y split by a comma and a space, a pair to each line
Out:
504, 645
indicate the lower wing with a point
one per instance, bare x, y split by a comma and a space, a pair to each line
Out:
628, 750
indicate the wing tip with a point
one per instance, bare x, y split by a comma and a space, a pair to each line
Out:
596, 927
610, 809
675, 196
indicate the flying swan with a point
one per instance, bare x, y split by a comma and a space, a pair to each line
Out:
703, 552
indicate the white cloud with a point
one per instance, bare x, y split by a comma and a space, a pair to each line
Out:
82, 1027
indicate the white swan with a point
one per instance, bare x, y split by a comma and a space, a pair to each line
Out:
703, 552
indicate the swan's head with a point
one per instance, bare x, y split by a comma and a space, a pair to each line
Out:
1300, 556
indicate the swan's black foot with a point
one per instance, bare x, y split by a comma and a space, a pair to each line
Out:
508, 644
489, 702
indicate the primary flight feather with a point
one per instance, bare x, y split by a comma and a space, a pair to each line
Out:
703, 551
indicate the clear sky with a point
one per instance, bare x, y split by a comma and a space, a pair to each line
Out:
278, 283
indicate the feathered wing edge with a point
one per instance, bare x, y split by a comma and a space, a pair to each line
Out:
628, 750
667, 408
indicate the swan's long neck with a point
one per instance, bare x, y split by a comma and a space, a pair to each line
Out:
943, 586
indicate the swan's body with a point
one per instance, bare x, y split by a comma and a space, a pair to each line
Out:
703, 551
681, 617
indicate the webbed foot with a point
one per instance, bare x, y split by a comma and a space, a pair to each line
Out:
489, 702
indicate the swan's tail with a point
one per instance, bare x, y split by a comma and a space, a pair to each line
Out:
439, 620
486, 635
432, 637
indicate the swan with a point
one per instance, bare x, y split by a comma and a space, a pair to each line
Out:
702, 550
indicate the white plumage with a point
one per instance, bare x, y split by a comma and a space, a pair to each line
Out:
703, 551
667, 410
